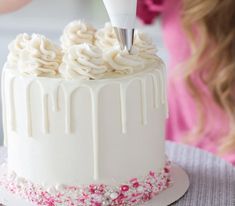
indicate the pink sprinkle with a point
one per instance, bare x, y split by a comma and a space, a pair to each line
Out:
136, 184
135, 191
166, 170
151, 173
124, 188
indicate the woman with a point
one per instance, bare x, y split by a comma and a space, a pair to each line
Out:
200, 38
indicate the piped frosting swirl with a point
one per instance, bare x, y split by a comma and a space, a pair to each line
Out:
15, 49
105, 38
34, 55
77, 32
86, 54
122, 62
144, 43
83, 61
147, 50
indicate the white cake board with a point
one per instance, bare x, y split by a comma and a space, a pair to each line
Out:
180, 186
176, 191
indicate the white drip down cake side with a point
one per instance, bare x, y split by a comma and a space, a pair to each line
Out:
84, 114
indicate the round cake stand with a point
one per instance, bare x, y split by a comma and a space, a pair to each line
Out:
176, 191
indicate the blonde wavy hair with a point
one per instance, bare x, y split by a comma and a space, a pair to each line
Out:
210, 26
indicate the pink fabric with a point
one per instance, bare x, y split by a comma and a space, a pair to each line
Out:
183, 116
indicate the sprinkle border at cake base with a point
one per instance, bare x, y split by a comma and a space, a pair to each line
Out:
134, 192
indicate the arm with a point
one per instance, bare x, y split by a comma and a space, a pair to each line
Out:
11, 5
147, 10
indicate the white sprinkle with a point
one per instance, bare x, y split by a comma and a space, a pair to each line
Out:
51, 190
20, 180
140, 189
60, 187
114, 195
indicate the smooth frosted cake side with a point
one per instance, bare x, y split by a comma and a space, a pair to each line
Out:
88, 114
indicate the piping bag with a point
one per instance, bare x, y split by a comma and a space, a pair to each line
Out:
122, 14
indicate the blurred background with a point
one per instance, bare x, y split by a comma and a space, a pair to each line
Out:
50, 17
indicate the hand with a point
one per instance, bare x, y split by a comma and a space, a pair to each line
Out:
12, 5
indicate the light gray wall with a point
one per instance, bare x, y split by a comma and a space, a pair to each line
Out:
50, 17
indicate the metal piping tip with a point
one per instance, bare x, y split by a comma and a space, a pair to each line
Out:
125, 38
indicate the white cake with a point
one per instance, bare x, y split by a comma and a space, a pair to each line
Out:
87, 116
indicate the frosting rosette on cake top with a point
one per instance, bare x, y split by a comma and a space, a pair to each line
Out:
147, 50
144, 43
105, 38
86, 54
77, 32
34, 55
122, 62
15, 49
83, 61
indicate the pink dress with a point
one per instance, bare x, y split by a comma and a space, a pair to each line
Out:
182, 111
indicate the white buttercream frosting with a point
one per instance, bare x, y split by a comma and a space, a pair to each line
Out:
34, 55
99, 55
144, 43
84, 61
15, 49
147, 50
122, 62
105, 38
77, 32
